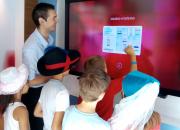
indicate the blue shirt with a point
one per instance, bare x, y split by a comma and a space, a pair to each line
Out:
77, 120
33, 50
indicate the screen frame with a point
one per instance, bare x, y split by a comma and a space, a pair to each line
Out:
67, 3
163, 91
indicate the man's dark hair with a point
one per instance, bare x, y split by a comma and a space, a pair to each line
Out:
41, 11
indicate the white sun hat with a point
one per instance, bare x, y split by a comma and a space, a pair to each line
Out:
13, 79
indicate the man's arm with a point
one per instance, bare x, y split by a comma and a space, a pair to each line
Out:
38, 111
38, 80
57, 121
30, 60
130, 51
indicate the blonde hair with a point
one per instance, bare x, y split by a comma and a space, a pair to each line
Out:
93, 84
153, 122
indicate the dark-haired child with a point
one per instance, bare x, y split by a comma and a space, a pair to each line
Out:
54, 98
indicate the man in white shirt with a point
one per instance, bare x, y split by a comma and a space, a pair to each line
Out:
45, 19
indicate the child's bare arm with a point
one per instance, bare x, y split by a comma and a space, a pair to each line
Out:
57, 121
1, 122
21, 115
38, 110
130, 51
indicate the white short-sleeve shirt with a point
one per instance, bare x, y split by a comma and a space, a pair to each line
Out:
54, 98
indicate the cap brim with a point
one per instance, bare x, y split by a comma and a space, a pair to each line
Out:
74, 55
134, 81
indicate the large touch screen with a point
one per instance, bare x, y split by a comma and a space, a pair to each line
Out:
160, 41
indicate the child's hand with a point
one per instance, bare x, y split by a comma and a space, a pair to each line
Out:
129, 50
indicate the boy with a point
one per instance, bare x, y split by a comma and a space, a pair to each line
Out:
105, 108
45, 18
54, 98
83, 116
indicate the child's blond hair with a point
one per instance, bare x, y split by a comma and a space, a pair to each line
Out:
93, 84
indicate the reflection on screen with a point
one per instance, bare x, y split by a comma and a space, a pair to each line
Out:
160, 49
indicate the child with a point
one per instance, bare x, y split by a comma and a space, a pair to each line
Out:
141, 91
105, 106
83, 116
12, 86
54, 97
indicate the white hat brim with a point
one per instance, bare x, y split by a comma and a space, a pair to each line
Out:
17, 84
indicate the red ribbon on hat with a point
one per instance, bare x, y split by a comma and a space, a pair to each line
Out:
61, 65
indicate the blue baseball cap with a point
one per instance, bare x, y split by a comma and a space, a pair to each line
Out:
135, 80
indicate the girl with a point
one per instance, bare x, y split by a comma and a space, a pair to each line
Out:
12, 86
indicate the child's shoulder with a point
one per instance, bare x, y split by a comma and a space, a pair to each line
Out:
71, 110
20, 111
54, 82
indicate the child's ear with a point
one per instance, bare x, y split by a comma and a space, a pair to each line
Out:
105, 69
101, 96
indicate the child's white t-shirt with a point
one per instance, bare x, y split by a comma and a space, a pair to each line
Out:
77, 120
54, 98
9, 122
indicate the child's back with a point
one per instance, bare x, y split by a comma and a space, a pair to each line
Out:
77, 120
54, 97
9, 122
